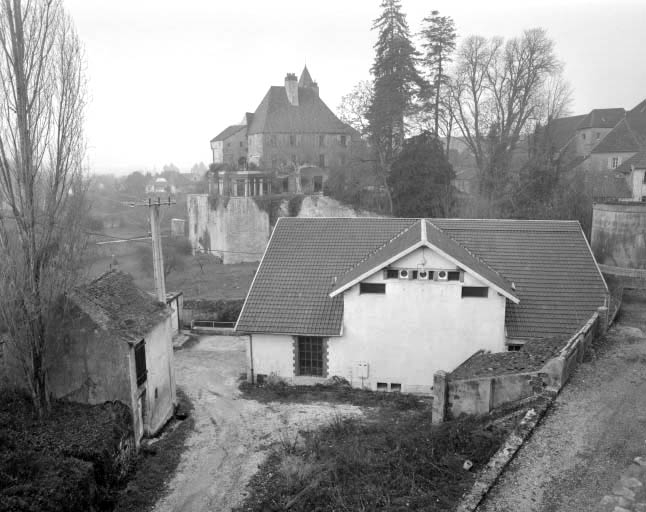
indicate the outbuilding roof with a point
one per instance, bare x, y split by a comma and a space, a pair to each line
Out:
557, 282
115, 304
622, 139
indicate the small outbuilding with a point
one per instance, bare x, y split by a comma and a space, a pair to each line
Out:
115, 343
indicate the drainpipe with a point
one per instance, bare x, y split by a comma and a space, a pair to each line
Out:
251, 357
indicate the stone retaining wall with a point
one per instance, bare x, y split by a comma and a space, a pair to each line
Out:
471, 392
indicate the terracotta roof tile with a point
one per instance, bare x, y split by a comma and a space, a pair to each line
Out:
550, 263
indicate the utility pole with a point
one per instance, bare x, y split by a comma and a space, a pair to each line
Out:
158, 257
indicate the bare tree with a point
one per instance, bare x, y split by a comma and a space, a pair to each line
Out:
42, 190
353, 109
499, 90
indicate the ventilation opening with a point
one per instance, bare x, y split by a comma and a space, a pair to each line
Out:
382, 386
396, 388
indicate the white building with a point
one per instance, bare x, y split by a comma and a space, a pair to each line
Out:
385, 303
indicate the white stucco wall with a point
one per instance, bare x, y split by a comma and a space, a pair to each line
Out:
160, 379
404, 335
272, 353
415, 328
638, 186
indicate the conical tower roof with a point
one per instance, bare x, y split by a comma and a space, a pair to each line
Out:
306, 79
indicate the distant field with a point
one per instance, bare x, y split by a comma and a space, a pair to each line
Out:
213, 281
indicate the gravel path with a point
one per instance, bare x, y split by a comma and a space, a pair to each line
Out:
596, 427
232, 435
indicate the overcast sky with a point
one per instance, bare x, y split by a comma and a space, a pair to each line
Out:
167, 76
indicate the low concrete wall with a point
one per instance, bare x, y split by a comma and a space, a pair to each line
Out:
481, 394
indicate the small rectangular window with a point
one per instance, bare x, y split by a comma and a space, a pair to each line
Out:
382, 386
514, 347
372, 288
643, 199
285, 184
454, 275
475, 291
321, 160
391, 273
292, 140
321, 140
396, 388
343, 140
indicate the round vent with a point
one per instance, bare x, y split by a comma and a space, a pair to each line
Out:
423, 274
403, 273
442, 274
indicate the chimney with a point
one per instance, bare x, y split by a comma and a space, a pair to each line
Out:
315, 88
291, 88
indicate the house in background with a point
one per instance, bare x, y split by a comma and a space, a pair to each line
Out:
116, 344
385, 303
599, 144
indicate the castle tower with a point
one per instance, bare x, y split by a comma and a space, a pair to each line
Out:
291, 88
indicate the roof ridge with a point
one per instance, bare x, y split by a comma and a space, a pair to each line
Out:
372, 253
474, 256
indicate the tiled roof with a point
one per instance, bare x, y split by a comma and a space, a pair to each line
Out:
426, 233
228, 132
602, 118
289, 293
306, 79
114, 303
607, 185
556, 278
622, 139
276, 114
638, 160
560, 131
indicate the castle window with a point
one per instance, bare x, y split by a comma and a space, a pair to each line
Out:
292, 140
614, 162
321, 160
318, 183
454, 275
321, 140
343, 140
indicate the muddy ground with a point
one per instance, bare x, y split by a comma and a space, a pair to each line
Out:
232, 435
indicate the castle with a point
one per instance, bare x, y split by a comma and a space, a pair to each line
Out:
286, 145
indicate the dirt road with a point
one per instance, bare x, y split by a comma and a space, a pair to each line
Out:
597, 426
232, 435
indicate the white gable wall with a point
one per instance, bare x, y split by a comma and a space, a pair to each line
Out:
415, 328
405, 335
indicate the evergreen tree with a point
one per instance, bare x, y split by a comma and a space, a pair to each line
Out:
396, 83
438, 36
420, 179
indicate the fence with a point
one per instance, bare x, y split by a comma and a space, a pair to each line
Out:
456, 394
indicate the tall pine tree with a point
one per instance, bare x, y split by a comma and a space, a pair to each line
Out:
396, 83
438, 36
